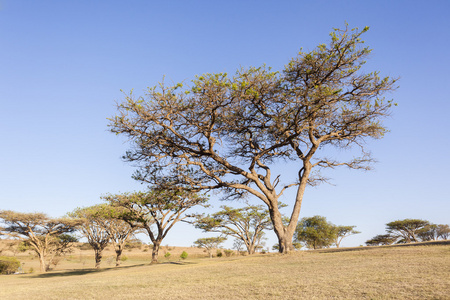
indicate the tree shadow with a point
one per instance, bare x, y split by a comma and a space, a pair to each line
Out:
80, 272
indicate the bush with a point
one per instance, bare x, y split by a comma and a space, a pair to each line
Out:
8, 265
123, 258
167, 255
184, 255
228, 253
219, 253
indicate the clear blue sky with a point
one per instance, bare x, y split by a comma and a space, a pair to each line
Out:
63, 63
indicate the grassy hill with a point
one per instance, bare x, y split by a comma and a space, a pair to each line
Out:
420, 272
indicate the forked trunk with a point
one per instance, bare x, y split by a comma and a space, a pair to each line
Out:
155, 251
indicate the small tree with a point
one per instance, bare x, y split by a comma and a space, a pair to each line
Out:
443, 231
246, 224
382, 239
209, 244
343, 232
315, 232
407, 228
93, 228
119, 231
184, 255
238, 244
44, 234
156, 211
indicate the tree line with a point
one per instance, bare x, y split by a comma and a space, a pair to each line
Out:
155, 212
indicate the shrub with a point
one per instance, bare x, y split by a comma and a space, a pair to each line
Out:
8, 265
167, 255
228, 253
219, 253
124, 258
184, 255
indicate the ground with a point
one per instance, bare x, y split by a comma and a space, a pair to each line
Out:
420, 272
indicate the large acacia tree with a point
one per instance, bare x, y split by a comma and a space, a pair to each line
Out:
155, 211
47, 236
227, 133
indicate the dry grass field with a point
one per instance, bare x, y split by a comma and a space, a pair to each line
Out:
420, 272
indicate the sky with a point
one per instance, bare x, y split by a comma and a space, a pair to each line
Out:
63, 65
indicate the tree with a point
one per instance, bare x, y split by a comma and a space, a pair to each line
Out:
443, 231
407, 228
47, 236
210, 243
246, 224
93, 228
382, 239
315, 232
226, 133
343, 232
119, 231
156, 211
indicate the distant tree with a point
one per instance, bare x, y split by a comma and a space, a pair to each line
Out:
315, 232
210, 244
238, 244
408, 229
119, 231
343, 232
93, 228
246, 224
156, 211
443, 231
428, 233
230, 131
47, 236
382, 239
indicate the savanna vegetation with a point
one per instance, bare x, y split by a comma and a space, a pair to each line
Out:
389, 272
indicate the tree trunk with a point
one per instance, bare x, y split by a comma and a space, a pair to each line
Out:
98, 257
118, 256
251, 249
155, 251
285, 234
42, 262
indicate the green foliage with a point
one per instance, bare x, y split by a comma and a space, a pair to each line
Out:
219, 253
408, 229
167, 255
184, 255
228, 252
23, 246
382, 239
315, 232
123, 258
8, 265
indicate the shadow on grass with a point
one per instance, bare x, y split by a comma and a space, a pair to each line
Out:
83, 271
180, 263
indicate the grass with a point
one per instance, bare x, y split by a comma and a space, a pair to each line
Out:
421, 272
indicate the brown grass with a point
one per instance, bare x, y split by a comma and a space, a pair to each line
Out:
421, 272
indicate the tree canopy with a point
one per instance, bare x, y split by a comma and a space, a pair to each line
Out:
156, 211
47, 236
247, 224
316, 232
226, 133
